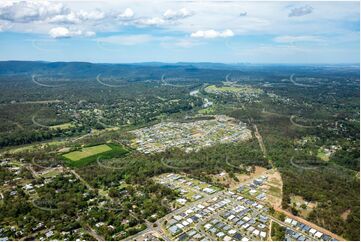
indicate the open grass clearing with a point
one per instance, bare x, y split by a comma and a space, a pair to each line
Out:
62, 126
90, 154
86, 152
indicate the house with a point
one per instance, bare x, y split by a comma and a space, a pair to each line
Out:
288, 220
237, 236
185, 223
230, 217
209, 190
240, 222
241, 188
246, 219
220, 234
295, 235
258, 182
251, 229
235, 220
306, 228
171, 222
207, 226
226, 228
261, 226
28, 187
183, 237
318, 234
227, 238
194, 218
180, 226
263, 219
301, 238
182, 201
213, 230
191, 233
256, 232
49, 234
99, 224
312, 231
252, 191
326, 237
189, 220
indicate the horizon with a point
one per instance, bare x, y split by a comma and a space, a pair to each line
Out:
185, 62
312, 33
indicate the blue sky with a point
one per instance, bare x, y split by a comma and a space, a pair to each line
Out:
172, 31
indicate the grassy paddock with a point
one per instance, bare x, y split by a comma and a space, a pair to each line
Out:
88, 155
62, 126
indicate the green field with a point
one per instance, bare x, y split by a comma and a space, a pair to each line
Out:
322, 155
86, 152
88, 155
62, 126
231, 89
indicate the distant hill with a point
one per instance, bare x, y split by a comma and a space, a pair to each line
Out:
154, 70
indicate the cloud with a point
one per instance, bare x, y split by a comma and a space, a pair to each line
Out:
210, 34
33, 11
62, 32
128, 13
151, 21
28, 11
300, 38
175, 15
4, 26
77, 17
243, 13
126, 39
169, 16
300, 11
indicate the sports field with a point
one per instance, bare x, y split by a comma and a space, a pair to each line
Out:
90, 154
87, 152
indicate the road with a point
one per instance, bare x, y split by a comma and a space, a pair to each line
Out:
261, 145
299, 125
325, 231
33, 172
93, 233
81, 179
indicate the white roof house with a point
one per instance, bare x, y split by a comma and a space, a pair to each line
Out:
318, 234
207, 226
288, 220
256, 232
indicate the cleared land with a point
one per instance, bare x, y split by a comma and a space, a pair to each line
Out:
86, 152
90, 154
233, 89
62, 126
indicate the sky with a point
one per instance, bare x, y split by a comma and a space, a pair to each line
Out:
129, 31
